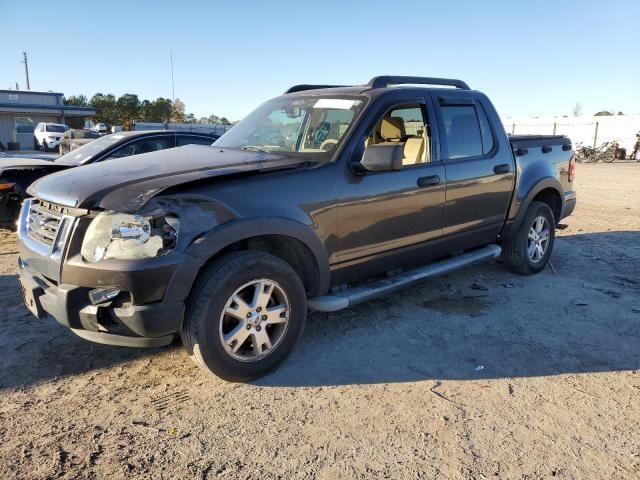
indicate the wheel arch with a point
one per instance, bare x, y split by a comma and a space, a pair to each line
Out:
549, 191
289, 240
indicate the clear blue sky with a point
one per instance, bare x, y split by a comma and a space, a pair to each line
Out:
532, 58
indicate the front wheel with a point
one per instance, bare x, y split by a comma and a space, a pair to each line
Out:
528, 251
244, 315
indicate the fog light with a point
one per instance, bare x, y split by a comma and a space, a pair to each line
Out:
101, 295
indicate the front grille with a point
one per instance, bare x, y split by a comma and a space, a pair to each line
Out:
43, 221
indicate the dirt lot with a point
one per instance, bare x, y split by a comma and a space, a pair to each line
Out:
479, 374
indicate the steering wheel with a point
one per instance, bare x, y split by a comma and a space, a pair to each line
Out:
322, 132
329, 144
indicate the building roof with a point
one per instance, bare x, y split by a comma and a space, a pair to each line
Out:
38, 92
68, 110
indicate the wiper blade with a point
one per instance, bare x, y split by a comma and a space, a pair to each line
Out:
255, 149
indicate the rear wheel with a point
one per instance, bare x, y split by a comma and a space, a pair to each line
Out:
528, 251
244, 315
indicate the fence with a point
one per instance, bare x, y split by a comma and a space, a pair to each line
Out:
210, 128
586, 130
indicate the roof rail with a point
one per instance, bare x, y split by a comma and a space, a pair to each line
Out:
303, 87
386, 80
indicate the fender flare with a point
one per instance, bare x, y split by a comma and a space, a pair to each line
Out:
524, 201
211, 243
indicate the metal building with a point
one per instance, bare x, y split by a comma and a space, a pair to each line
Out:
22, 110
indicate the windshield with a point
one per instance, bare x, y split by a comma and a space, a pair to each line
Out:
86, 152
55, 128
302, 125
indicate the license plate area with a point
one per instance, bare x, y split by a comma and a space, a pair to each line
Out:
30, 295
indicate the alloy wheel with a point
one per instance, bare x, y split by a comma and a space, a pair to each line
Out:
254, 320
538, 239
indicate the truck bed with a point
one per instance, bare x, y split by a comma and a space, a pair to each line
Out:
527, 141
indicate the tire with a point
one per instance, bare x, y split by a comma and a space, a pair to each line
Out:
44, 146
35, 144
516, 252
206, 330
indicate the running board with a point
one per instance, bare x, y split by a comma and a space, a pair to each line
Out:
361, 293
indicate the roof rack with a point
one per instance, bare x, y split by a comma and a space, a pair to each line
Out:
386, 80
303, 87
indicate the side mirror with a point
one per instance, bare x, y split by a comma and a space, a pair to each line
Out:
383, 157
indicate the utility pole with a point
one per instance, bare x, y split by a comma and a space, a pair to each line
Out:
26, 69
173, 91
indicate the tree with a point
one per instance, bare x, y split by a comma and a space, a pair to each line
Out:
129, 109
225, 121
577, 109
177, 113
603, 113
106, 110
77, 101
190, 118
157, 111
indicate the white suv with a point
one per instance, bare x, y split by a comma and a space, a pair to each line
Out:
100, 128
48, 135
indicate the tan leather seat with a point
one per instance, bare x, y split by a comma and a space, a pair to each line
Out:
413, 151
392, 129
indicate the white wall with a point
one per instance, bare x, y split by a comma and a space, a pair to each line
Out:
621, 128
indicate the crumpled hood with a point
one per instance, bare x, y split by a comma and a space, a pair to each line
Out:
126, 184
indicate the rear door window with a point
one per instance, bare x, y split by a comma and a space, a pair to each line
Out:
144, 145
462, 131
192, 140
485, 131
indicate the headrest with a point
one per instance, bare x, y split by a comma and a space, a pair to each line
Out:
392, 128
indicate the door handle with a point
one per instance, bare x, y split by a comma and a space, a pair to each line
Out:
502, 168
429, 181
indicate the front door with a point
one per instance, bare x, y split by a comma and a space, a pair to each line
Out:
382, 215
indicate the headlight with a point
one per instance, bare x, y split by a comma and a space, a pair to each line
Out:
127, 237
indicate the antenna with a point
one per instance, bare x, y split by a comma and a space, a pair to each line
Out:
173, 91
26, 69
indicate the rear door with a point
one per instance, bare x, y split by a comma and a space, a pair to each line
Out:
479, 170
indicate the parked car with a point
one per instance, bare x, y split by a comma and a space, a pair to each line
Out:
100, 128
74, 138
16, 174
48, 135
228, 245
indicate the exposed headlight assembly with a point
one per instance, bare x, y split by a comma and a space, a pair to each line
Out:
128, 237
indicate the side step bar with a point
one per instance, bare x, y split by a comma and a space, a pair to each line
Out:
361, 293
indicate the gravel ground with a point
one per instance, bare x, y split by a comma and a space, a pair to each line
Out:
478, 374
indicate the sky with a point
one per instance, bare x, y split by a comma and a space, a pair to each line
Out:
531, 58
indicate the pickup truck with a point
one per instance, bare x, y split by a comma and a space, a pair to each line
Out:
320, 199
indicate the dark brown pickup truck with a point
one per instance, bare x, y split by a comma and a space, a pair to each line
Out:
321, 198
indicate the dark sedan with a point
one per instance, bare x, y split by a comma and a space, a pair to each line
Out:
16, 174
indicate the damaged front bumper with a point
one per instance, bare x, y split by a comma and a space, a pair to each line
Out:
128, 303
113, 322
